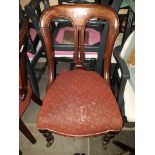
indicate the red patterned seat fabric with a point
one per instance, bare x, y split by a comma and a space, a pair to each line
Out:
79, 103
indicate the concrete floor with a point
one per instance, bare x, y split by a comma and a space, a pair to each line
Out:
64, 145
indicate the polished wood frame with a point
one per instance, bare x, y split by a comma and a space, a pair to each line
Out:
79, 15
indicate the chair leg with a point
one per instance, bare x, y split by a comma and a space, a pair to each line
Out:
32, 78
127, 149
49, 137
26, 132
20, 152
36, 99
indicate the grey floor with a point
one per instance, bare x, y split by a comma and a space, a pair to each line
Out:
64, 145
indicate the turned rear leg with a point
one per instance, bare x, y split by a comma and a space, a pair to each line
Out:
36, 99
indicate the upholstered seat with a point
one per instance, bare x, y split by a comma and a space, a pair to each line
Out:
79, 103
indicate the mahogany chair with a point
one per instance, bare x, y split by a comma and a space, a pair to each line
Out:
79, 103
25, 89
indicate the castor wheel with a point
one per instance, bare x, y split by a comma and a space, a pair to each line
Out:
106, 139
49, 137
50, 140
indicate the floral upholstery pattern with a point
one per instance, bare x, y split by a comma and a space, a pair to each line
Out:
79, 103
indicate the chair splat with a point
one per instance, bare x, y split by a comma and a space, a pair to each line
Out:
79, 55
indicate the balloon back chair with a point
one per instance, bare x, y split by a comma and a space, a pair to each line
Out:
79, 103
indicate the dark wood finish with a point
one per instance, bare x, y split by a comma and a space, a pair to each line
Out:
99, 25
20, 152
22, 56
26, 132
33, 11
25, 90
127, 149
129, 25
79, 14
106, 139
36, 99
118, 83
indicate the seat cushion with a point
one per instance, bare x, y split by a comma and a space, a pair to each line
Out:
79, 103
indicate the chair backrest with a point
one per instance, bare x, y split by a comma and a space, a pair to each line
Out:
23, 81
79, 14
33, 10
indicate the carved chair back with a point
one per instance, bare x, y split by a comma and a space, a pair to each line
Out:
79, 14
